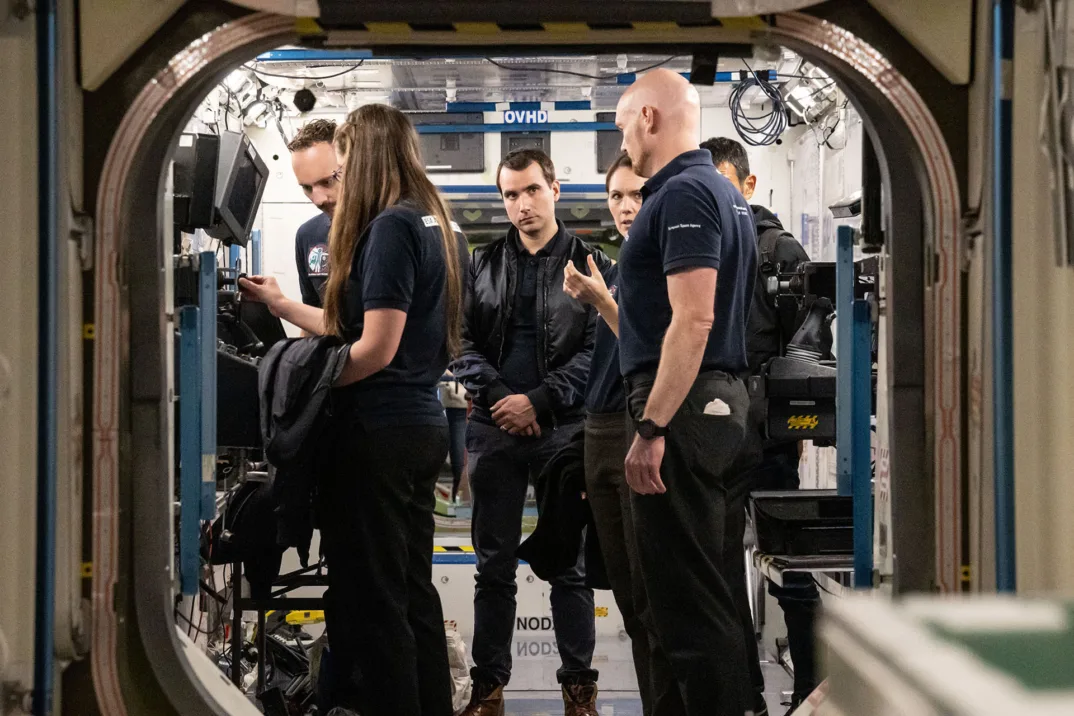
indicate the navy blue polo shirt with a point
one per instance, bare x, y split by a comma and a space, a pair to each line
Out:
311, 259
401, 265
691, 217
604, 391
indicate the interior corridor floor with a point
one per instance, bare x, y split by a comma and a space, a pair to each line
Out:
531, 694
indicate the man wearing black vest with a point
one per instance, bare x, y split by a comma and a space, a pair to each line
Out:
768, 331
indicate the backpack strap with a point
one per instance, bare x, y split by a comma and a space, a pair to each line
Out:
766, 250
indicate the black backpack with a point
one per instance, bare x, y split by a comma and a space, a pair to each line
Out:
767, 318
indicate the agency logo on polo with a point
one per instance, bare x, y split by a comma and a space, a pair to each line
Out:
317, 260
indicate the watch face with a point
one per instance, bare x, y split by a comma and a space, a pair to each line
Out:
646, 429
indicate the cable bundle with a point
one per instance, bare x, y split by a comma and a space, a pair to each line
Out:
763, 130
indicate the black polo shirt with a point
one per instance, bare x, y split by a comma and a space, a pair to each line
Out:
691, 216
401, 265
604, 391
311, 259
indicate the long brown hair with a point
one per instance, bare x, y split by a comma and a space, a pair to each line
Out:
383, 166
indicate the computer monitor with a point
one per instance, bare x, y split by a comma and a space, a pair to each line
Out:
194, 181
240, 182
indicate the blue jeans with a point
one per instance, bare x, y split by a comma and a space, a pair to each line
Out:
501, 467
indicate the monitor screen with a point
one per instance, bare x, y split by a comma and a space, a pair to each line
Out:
245, 190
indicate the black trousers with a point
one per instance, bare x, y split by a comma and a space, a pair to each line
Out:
457, 452
609, 498
698, 658
501, 467
385, 621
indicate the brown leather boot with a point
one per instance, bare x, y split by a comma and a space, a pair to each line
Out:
580, 700
486, 700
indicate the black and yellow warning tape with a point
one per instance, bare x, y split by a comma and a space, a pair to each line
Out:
467, 548
310, 26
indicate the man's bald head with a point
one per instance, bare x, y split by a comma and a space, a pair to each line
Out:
660, 117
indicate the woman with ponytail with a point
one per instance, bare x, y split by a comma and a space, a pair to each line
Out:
394, 293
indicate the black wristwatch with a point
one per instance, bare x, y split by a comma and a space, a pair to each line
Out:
648, 430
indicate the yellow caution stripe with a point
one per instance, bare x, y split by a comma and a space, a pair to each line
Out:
803, 422
469, 548
310, 26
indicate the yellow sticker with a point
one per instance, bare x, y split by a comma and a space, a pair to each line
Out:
744, 23
477, 28
600, 611
802, 422
307, 26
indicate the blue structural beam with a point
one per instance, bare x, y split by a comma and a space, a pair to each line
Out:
504, 127
563, 105
844, 344
1002, 312
314, 56
853, 403
462, 107
207, 361
190, 464
860, 449
567, 105
255, 253
49, 208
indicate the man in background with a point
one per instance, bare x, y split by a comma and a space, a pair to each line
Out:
313, 159
768, 332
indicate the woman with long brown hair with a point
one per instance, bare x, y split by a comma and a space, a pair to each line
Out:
394, 292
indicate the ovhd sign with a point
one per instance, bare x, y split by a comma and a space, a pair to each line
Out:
529, 116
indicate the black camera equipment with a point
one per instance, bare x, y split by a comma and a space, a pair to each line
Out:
798, 389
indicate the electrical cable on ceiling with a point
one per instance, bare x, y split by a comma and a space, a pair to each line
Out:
303, 77
772, 124
821, 89
227, 107
572, 73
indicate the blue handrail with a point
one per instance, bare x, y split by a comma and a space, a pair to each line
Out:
853, 402
48, 207
1002, 325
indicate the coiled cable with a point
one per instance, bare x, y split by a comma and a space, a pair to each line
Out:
765, 129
